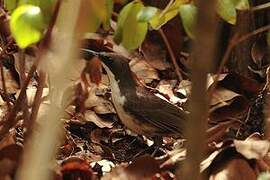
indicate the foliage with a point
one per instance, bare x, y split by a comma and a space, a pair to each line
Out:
27, 25
130, 32
134, 19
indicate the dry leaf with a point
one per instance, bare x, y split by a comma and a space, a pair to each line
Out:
166, 88
252, 148
222, 97
91, 116
143, 70
154, 53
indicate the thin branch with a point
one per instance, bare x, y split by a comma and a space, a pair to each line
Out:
4, 85
233, 42
2, 52
11, 117
22, 65
36, 103
253, 33
261, 7
166, 8
176, 67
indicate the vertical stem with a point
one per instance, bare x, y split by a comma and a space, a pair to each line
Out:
202, 58
4, 85
41, 149
176, 67
36, 103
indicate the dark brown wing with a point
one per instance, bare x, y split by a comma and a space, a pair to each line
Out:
159, 113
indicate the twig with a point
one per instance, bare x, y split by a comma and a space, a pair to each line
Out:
261, 7
176, 67
2, 52
11, 117
166, 8
22, 65
255, 32
233, 42
36, 103
4, 85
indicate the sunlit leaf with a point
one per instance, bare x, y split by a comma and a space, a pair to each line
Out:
227, 11
147, 13
188, 14
47, 6
27, 25
162, 17
241, 4
130, 32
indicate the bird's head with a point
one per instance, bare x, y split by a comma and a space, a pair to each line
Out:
114, 64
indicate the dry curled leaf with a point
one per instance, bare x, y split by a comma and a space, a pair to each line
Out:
91, 116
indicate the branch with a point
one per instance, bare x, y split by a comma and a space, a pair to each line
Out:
202, 60
261, 7
176, 67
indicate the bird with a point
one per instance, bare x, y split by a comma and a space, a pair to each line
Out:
139, 109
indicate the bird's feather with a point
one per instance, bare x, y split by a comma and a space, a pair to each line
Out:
159, 113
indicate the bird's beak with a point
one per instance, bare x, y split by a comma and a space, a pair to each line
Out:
88, 54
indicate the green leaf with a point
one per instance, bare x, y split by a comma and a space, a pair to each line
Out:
130, 32
109, 10
227, 11
10, 5
146, 14
47, 7
162, 17
188, 13
118, 35
27, 25
241, 4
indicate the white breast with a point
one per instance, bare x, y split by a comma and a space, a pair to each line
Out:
118, 101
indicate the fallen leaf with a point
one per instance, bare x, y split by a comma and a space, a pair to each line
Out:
166, 88
155, 53
143, 70
252, 148
90, 116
